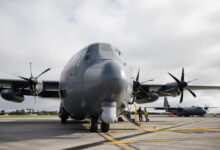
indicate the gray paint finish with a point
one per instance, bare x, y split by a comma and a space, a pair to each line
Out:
95, 75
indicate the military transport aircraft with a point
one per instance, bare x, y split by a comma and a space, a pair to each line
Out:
183, 111
96, 84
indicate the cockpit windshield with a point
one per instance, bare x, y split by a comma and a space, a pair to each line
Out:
92, 52
102, 51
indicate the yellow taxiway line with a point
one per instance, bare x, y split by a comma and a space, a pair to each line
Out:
122, 145
111, 139
163, 140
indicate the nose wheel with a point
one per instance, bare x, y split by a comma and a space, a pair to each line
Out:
104, 126
93, 124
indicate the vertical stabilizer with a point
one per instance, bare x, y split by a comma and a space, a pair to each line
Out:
166, 104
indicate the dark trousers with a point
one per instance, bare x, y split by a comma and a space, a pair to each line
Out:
140, 118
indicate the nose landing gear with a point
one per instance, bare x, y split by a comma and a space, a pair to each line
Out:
93, 125
63, 115
104, 126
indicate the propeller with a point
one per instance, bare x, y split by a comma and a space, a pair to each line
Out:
137, 88
182, 85
206, 107
32, 81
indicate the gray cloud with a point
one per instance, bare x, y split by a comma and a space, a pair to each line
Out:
156, 36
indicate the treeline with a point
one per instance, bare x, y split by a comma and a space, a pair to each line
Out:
28, 112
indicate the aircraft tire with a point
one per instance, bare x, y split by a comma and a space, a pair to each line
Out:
93, 125
104, 126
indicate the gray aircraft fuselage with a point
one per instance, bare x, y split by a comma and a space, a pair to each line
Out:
183, 111
190, 111
95, 78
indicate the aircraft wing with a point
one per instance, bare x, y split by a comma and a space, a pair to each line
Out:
200, 87
163, 90
157, 108
157, 87
152, 87
50, 88
163, 108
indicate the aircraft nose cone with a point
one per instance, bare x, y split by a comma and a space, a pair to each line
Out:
114, 77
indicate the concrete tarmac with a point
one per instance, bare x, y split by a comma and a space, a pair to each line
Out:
47, 133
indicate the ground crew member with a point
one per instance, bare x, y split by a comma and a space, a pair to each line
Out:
140, 114
146, 114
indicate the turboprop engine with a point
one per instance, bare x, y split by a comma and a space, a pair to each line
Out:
11, 95
142, 98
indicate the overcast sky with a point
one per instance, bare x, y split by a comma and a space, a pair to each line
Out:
156, 36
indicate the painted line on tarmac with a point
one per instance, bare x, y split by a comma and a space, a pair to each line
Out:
110, 138
190, 129
163, 140
122, 145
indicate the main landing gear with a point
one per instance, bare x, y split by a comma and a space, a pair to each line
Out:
63, 115
93, 125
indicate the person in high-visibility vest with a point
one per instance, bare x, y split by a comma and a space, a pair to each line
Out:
146, 114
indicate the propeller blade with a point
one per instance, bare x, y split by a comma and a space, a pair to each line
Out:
24, 87
134, 99
182, 77
181, 97
177, 80
191, 81
137, 78
43, 72
31, 67
194, 95
23, 78
34, 93
147, 81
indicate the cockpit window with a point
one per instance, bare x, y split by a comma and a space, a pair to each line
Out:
117, 51
106, 51
92, 51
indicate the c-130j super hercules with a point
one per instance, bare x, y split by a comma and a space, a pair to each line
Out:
96, 84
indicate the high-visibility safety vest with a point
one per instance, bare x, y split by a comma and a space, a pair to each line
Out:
145, 112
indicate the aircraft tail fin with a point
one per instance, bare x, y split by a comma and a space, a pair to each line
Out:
166, 104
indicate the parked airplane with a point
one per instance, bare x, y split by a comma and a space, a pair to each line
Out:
184, 111
96, 84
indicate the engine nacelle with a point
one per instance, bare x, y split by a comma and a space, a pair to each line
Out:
141, 99
11, 95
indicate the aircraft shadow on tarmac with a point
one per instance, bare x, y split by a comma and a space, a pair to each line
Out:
15, 131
